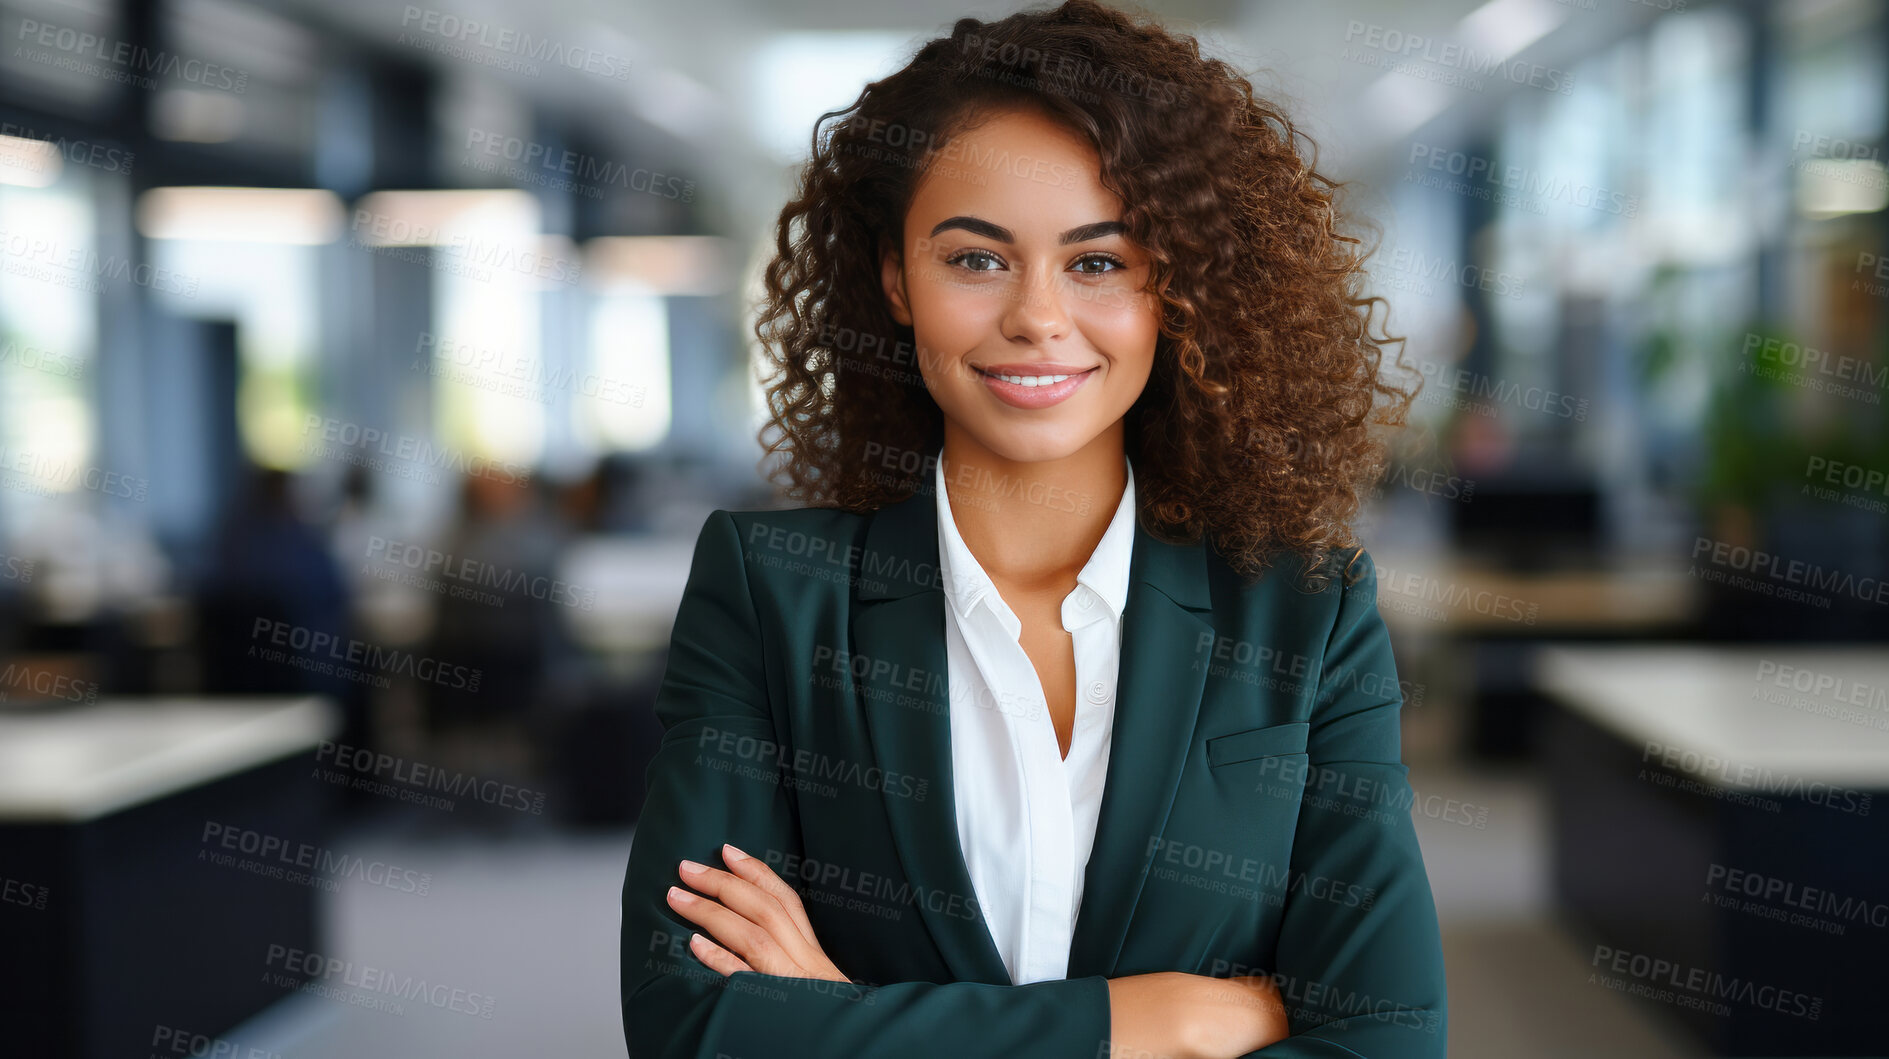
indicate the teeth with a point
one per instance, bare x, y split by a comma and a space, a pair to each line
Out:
1033, 380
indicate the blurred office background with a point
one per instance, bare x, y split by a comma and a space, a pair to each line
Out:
394, 354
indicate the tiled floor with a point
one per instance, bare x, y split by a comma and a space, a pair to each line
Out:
528, 916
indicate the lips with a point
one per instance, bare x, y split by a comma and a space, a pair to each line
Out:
1020, 395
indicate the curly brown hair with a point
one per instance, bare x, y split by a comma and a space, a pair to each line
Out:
1256, 425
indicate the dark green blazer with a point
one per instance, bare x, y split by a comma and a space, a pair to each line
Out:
1256, 816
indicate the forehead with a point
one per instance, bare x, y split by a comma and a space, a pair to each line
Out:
1019, 169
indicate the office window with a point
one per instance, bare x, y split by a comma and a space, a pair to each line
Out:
50, 274
251, 256
1697, 154
496, 409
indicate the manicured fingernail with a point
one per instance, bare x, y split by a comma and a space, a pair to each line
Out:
690, 867
681, 896
730, 853
697, 939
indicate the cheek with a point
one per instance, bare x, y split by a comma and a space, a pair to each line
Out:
950, 318
1124, 325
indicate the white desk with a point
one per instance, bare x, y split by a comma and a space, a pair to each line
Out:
1701, 797
104, 810
79, 763
1719, 702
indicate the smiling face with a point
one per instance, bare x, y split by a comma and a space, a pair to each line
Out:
1014, 265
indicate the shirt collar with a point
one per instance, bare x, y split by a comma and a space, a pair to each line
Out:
1105, 574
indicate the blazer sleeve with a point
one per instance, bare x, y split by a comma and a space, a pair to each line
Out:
713, 696
1363, 979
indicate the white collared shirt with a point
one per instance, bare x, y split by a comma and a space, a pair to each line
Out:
1027, 816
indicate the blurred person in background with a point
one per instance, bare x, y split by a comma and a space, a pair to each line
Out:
268, 568
494, 611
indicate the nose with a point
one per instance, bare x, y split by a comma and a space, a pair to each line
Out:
1036, 313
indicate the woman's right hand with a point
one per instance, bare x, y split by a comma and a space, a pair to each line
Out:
1175, 1015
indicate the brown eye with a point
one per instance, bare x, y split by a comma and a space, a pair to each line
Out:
1116, 264
967, 255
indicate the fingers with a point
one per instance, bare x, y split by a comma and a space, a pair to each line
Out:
752, 897
715, 957
756, 871
733, 930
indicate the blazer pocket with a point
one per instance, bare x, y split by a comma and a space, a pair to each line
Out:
1270, 741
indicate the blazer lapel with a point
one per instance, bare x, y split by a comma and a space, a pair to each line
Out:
1157, 699
899, 636
898, 630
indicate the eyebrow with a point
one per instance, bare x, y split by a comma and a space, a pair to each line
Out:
1079, 234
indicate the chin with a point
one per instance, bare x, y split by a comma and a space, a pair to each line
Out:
1049, 442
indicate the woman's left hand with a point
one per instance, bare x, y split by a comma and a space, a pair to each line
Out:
756, 917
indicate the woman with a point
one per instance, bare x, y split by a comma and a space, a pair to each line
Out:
1063, 722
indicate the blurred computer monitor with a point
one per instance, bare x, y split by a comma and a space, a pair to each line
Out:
1526, 525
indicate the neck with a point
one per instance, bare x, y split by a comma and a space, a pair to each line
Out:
1033, 524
